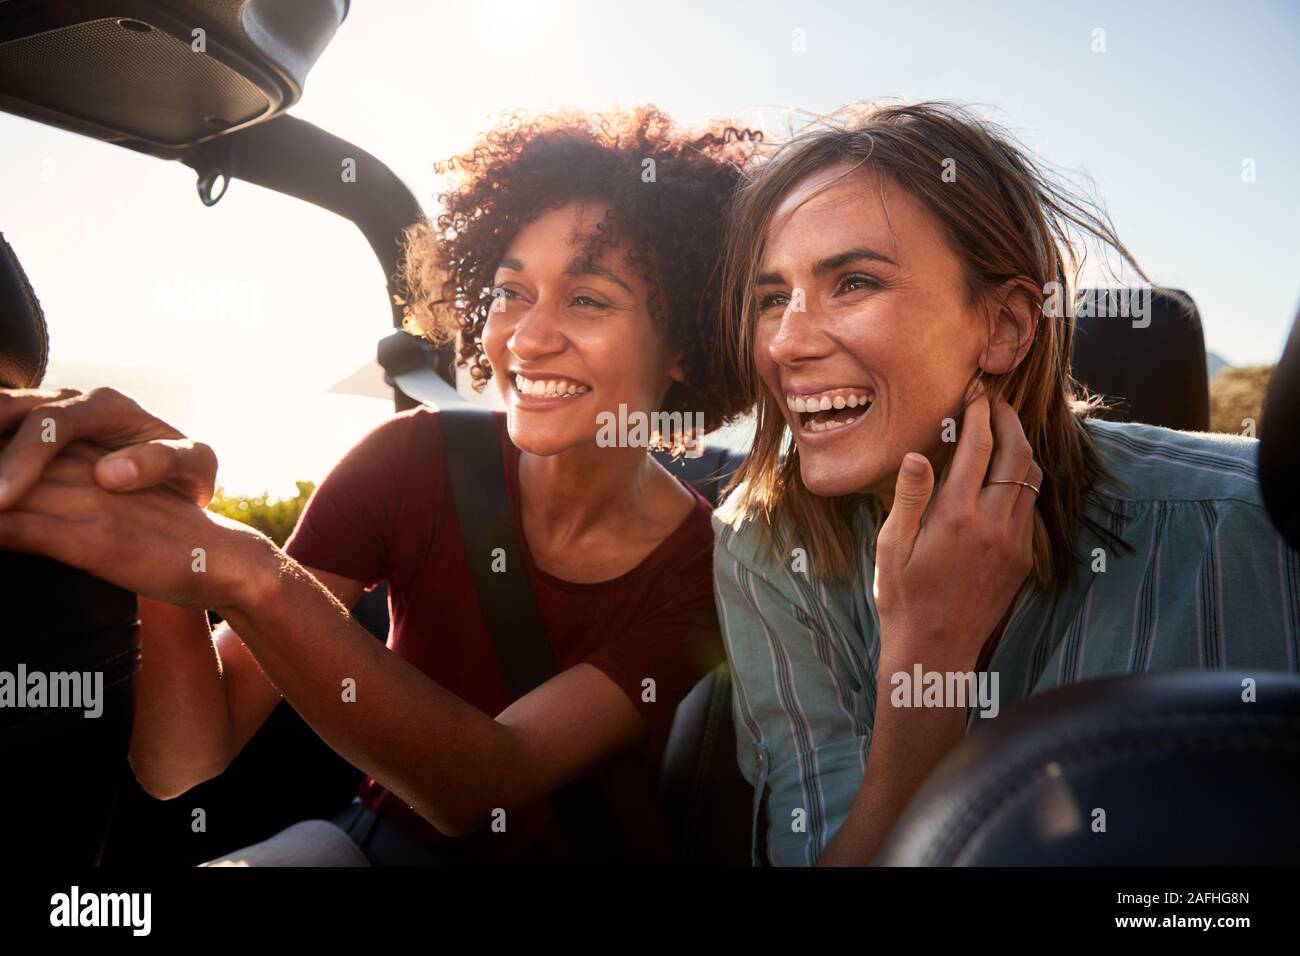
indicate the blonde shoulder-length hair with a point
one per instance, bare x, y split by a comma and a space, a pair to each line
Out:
1005, 218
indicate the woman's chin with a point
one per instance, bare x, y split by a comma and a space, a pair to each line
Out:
538, 440
827, 479
546, 441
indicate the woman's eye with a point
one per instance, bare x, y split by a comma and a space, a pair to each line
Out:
853, 283
588, 302
501, 292
772, 300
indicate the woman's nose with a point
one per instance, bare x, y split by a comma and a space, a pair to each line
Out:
799, 335
537, 331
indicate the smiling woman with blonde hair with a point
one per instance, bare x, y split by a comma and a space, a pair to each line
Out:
890, 288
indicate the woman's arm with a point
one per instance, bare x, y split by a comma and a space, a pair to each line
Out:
200, 695
947, 570
802, 717
906, 744
451, 762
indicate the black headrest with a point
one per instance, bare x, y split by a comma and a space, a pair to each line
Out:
24, 344
1279, 442
1171, 769
1145, 351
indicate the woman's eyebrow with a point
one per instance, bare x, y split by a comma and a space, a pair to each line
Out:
831, 263
578, 269
514, 265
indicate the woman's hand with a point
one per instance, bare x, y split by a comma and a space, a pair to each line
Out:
153, 542
947, 570
147, 451
946, 576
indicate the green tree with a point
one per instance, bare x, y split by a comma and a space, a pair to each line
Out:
274, 517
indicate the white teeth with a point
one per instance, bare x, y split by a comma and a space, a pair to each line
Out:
825, 402
549, 388
828, 426
803, 404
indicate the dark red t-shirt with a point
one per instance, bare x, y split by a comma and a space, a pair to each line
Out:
385, 513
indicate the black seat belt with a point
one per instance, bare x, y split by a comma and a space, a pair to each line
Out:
476, 470
472, 448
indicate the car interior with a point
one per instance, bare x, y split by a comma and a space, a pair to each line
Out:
1162, 749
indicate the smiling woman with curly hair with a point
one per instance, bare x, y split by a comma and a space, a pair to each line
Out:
575, 259
662, 196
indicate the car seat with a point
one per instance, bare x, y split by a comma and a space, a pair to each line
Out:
1167, 769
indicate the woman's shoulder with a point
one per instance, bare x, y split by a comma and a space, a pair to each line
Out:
769, 548
421, 429
403, 427
741, 535
403, 452
1149, 463
745, 534
690, 544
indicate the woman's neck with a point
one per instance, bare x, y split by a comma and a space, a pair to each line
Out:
939, 457
569, 494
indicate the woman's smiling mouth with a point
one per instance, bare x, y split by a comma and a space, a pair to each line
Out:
829, 410
545, 389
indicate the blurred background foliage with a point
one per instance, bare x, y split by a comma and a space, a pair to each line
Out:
274, 517
1237, 394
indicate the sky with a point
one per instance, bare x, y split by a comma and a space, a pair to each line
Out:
233, 321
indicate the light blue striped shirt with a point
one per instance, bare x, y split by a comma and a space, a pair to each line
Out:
1209, 584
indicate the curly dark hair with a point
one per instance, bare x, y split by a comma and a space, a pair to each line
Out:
673, 221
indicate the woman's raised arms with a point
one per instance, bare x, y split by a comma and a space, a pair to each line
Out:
454, 764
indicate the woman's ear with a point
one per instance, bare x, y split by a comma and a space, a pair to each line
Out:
1014, 307
676, 377
675, 370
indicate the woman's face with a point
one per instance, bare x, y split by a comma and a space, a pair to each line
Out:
567, 341
887, 342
